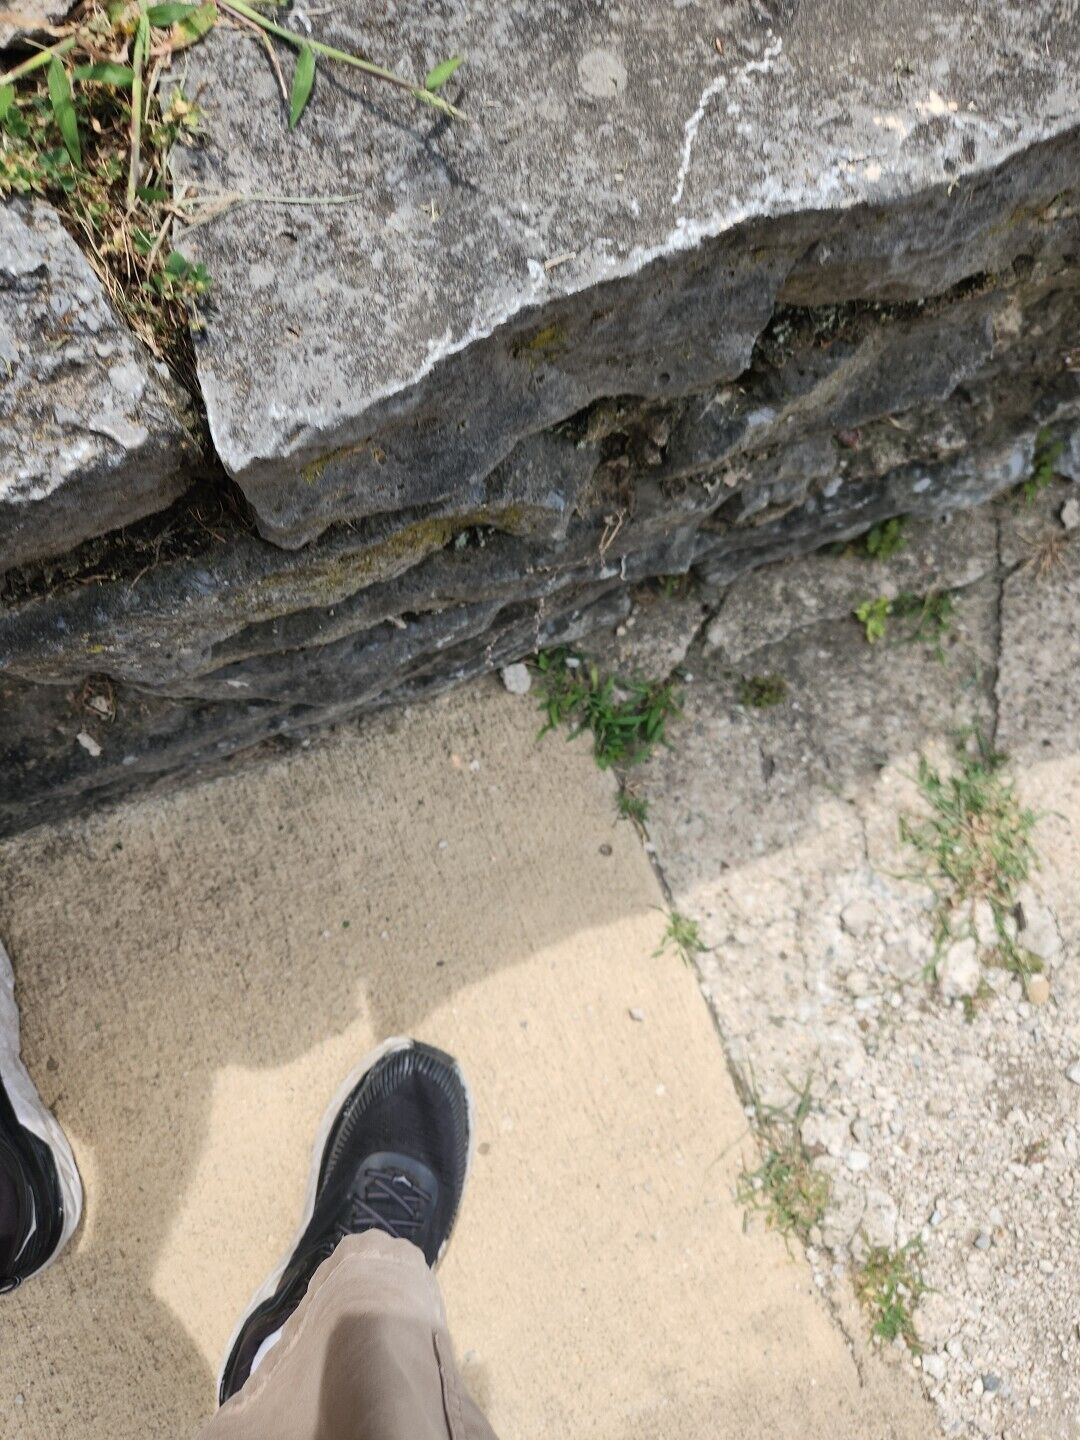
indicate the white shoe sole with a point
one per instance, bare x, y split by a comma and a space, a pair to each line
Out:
31, 1111
348, 1085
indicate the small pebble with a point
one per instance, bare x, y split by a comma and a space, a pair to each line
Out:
982, 1241
516, 678
934, 1366
959, 972
638, 1015
991, 1383
1073, 1072
1038, 989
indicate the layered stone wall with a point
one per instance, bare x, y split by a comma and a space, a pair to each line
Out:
456, 425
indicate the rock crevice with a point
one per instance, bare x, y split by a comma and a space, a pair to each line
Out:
786, 298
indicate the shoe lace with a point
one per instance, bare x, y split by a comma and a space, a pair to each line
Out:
391, 1202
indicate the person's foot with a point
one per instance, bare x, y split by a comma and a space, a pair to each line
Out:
40, 1193
392, 1155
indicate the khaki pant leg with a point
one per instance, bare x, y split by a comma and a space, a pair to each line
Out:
365, 1356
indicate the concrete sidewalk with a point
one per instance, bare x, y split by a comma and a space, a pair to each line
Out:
196, 975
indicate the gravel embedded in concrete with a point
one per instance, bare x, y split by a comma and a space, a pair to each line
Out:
944, 1115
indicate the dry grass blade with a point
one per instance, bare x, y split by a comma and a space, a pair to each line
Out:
785, 1187
87, 123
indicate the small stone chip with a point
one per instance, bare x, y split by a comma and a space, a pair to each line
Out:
516, 678
88, 743
959, 972
635, 1014
1038, 989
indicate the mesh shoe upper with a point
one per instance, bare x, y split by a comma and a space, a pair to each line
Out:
31, 1205
395, 1159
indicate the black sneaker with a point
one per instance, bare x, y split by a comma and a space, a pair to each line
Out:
392, 1155
40, 1193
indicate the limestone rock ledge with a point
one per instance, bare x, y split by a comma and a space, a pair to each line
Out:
692, 292
92, 429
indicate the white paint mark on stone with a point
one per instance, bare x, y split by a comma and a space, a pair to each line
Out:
764, 65
711, 90
690, 131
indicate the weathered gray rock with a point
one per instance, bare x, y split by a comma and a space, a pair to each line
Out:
819, 278
29, 17
92, 433
145, 740
388, 353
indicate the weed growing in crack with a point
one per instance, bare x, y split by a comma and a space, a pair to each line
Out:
931, 618
972, 1004
884, 541
873, 615
975, 845
682, 935
785, 1186
675, 587
880, 542
1048, 451
889, 1285
761, 692
627, 719
88, 123
632, 806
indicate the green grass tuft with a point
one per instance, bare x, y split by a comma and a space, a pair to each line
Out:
889, 1285
88, 123
627, 719
975, 844
682, 935
1048, 451
785, 1186
633, 806
931, 618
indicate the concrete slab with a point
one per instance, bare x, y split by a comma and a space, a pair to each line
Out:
945, 1120
197, 973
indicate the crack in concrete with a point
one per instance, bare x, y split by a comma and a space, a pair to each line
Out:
997, 618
